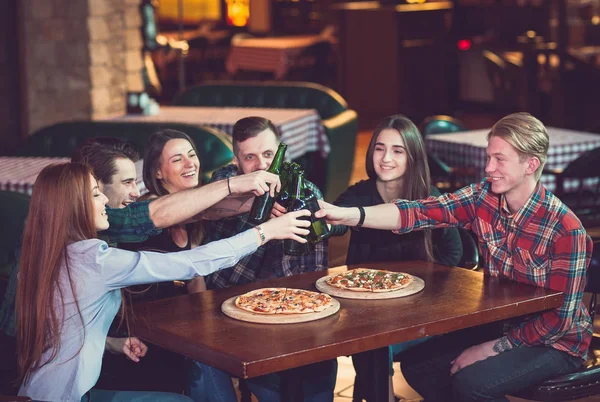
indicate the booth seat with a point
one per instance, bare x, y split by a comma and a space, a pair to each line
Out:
340, 123
59, 140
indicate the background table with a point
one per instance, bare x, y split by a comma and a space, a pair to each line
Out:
453, 299
274, 55
18, 174
467, 149
301, 129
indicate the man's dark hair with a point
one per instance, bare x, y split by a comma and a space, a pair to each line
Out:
250, 127
100, 153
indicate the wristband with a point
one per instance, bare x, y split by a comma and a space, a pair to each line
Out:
261, 234
228, 187
361, 220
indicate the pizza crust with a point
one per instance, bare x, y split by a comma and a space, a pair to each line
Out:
283, 301
370, 280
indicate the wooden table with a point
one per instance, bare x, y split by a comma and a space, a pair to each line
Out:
453, 299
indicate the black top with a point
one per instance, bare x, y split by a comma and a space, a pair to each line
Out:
162, 243
371, 245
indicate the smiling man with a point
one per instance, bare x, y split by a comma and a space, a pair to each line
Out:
113, 162
526, 234
255, 142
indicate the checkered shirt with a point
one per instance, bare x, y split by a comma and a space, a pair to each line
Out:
269, 261
543, 244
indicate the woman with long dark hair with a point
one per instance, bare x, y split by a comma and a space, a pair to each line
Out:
396, 164
69, 282
171, 164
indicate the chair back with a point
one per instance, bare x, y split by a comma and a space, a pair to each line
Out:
313, 64
440, 124
583, 196
60, 140
13, 214
593, 278
470, 256
272, 94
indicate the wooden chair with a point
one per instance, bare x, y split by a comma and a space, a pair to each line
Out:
584, 198
440, 124
470, 256
586, 381
312, 64
447, 178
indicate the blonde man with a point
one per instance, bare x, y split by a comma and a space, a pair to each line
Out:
526, 234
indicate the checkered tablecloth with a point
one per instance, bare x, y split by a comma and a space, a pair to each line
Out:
275, 55
18, 174
301, 129
467, 149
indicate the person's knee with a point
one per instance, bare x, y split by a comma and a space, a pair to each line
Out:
473, 389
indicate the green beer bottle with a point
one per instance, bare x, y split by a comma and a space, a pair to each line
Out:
261, 208
289, 170
296, 203
319, 230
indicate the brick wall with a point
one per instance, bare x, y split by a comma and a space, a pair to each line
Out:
81, 58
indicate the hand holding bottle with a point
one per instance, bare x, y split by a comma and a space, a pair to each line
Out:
259, 183
277, 210
335, 215
288, 226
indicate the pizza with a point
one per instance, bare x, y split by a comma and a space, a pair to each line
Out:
283, 301
370, 280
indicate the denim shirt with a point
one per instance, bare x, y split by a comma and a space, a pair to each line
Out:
98, 272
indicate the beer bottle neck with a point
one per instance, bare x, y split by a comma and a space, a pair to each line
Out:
278, 159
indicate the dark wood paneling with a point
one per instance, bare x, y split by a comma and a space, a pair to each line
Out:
395, 59
9, 77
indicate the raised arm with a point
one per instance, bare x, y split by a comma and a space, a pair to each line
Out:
179, 207
121, 268
454, 209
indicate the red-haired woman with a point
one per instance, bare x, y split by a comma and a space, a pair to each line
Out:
69, 283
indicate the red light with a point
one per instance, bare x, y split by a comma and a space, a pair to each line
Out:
463, 44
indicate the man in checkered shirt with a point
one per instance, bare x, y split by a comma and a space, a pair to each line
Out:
525, 234
255, 142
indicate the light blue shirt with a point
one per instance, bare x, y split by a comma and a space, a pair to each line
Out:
98, 273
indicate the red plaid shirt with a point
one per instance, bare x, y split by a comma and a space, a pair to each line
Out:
543, 244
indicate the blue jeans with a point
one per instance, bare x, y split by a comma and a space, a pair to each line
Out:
99, 395
427, 368
208, 384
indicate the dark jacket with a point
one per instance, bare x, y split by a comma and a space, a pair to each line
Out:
371, 245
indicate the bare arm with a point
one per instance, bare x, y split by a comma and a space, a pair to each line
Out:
383, 216
232, 205
179, 207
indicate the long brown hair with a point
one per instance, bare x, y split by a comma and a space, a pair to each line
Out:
152, 161
60, 212
416, 180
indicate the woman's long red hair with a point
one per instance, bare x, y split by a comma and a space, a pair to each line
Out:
60, 212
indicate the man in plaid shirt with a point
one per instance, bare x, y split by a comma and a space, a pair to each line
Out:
255, 141
525, 234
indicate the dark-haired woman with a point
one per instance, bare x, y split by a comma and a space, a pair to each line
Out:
396, 163
69, 283
171, 164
